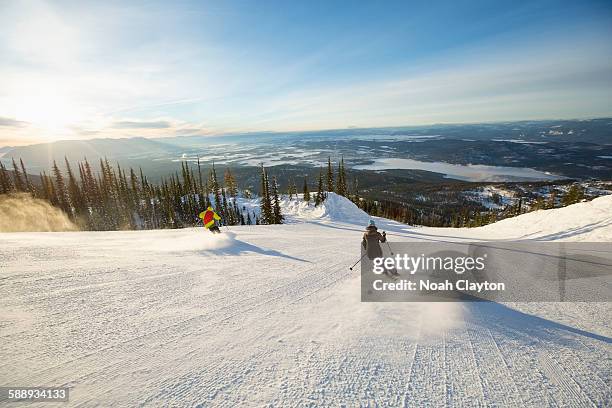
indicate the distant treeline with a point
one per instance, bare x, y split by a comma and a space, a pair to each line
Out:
467, 213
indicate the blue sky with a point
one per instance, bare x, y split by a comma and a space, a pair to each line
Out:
78, 69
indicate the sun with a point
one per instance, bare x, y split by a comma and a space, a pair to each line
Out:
52, 114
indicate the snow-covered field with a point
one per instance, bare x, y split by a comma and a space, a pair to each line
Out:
271, 316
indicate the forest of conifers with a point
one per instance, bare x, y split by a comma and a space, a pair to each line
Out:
113, 198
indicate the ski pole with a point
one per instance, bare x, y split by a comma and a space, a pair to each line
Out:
355, 264
390, 250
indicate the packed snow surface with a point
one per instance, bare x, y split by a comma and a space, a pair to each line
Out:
271, 316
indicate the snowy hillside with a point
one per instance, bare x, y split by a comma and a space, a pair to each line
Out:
588, 221
271, 316
334, 209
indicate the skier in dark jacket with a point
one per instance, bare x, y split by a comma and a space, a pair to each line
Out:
371, 240
371, 243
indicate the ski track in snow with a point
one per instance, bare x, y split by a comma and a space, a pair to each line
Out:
271, 316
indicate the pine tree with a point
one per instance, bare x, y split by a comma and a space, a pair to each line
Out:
60, 189
230, 182
267, 213
341, 188
278, 216
134, 186
306, 191
552, 202
355, 190
289, 189
93, 196
539, 204
207, 202
123, 213
136, 197
6, 184
19, 185
320, 194
74, 192
330, 176
201, 186
29, 187
214, 185
226, 217
45, 192
574, 195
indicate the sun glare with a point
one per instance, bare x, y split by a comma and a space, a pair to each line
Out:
53, 115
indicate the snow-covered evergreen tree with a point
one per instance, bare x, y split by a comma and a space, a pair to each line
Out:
278, 216
60, 187
289, 189
267, 214
330, 176
341, 187
320, 194
214, 186
306, 191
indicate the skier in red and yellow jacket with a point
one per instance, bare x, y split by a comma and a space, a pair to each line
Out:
210, 219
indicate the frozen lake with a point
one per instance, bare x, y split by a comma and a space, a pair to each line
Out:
471, 172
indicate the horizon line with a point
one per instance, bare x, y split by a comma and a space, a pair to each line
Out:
357, 128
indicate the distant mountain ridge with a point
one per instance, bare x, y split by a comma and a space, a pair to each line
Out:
43, 154
597, 130
593, 136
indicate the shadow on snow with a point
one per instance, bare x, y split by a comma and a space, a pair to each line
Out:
238, 247
513, 323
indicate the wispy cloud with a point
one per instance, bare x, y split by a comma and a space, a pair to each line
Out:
9, 122
127, 124
546, 80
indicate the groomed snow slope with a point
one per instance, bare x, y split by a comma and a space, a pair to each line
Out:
271, 316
